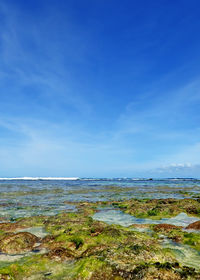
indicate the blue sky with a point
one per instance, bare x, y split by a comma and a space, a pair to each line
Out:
100, 88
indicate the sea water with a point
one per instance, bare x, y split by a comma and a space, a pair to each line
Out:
24, 197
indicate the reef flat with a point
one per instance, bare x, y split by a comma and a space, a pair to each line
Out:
100, 229
87, 245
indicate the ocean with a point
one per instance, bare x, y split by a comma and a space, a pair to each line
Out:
25, 197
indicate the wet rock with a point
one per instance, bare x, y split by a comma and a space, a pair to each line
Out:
167, 201
10, 227
177, 239
137, 273
140, 225
166, 227
192, 210
195, 225
60, 253
34, 221
110, 231
95, 231
161, 274
18, 243
49, 242
104, 275
48, 239
97, 228
94, 250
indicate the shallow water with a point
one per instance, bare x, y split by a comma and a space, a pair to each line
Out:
24, 198
183, 253
38, 231
123, 219
4, 258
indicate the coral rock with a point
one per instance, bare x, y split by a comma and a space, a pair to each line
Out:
18, 243
60, 253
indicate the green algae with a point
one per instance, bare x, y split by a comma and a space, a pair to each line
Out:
95, 250
183, 237
159, 208
192, 239
36, 265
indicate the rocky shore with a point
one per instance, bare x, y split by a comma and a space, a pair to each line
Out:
73, 245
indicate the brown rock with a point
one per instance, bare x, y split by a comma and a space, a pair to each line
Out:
49, 242
165, 227
18, 243
48, 238
60, 253
195, 225
177, 239
10, 227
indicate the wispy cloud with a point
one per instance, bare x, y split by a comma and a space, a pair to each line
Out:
66, 107
179, 170
37, 67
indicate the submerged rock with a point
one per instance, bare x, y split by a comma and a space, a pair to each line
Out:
18, 243
195, 225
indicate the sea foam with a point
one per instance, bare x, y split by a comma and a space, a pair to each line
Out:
41, 178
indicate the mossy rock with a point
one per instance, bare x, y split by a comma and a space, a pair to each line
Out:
111, 231
60, 253
10, 227
159, 208
18, 243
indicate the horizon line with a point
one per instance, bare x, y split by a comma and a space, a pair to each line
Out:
96, 178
